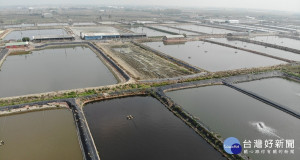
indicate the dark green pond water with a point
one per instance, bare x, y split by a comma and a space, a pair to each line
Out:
153, 133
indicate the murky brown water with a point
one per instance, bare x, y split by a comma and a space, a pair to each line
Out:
41, 135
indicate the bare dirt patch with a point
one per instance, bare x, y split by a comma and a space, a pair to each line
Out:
141, 63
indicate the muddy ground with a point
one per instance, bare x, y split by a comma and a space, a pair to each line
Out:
141, 63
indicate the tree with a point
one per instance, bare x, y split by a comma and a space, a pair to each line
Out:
25, 39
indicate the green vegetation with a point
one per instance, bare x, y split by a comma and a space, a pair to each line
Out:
73, 94
25, 39
19, 52
292, 70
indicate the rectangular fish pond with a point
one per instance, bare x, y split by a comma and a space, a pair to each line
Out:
16, 35
149, 32
52, 70
282, 91
260, 48
213, 57
230, 113
176, 31
204, 29
280, 41
40, 135
152, 133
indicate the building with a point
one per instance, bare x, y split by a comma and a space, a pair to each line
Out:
53, 38
16, 45
233, 21
47, 15
99, 36
132, 35
174, 38
214, 21
239, 34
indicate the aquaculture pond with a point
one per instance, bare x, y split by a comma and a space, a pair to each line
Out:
16, 35
52, 70
152, 133
260, 48
203, 29
177, 31
233, 114
149, 32
213, 57
52, 24
47, 135
286, 42
282, 91
97, 29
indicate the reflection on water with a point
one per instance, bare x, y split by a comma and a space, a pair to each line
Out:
153, 132
41, 135
233, 114
53, 70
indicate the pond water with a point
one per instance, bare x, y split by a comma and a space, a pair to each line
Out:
148, 31
153, 133
286, 42
53, 70
46, 135
213, 57
16, 35
259, 48
279, 90
203, 29
178, 31
233, 114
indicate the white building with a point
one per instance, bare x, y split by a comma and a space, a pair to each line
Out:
233, 21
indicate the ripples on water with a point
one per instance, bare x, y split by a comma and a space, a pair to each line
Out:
263, 128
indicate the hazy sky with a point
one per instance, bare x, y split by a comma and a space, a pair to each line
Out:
284, 5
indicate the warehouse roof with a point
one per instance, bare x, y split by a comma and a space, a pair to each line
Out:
52, 36
101, 34
16, 44
174, 36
